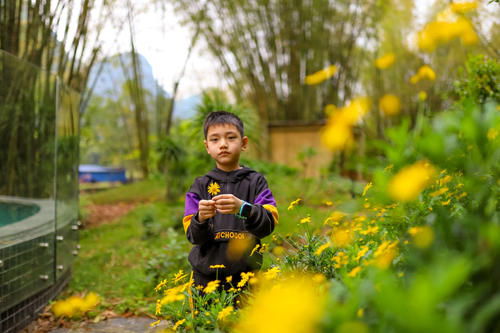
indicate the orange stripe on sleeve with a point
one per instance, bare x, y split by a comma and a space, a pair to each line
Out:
273, 211
186, 221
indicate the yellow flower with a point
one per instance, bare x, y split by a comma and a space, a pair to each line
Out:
279, 309
216, 266
154, 324
424, 72
179, 276
211, 286
327, 203
306, 220
335, 218
293, 203
390, 104
422, 236
229, 279
492, 134
337, 133
439, 192
213, 189
158, 307
364, 249
369, 185
178, 323
463, 194
446, 203
278, 251
340, 260
463, 7
360, 312
271, 273
385, 61
370, 231
244, 279
256, 247
341, 237
407, 184
354, 271
319, 278
321, 75
384, 255
322, 248
236, 248
161, 285
329, 109
63, 308
225, 312
422, 95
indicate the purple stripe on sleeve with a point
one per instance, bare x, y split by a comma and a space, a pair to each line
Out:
265, 198
191, 205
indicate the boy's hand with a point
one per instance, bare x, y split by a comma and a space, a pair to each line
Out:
206, 209
227, 204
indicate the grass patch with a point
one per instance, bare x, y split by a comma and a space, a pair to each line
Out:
115, 258
146, 190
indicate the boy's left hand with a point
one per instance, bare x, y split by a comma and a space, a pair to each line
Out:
227, 204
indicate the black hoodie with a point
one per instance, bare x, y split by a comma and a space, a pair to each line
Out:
211, 237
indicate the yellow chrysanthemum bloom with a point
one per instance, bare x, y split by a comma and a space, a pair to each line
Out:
236, 248
337, 133
354, 271
179, 276
154, 323
463, 7
422, 236
63, 308
341, 237
293, 203
225, 312
368, 186
340, 259
279, 308
178, 323
384, 255
244, 279
322, 248
492, 134
216, 266
213, 189
390, 104
271, 273
364, 249
407, 184
422, 95
211, 286
306, 220
321, 75
161, 285
385, 61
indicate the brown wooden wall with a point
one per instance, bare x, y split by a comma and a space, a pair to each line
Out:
287, 140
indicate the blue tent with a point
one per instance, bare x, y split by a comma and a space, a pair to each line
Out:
89, 173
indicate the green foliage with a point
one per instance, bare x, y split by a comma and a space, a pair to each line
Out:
481, 80
141, 191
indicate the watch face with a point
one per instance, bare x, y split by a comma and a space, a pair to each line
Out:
247, 208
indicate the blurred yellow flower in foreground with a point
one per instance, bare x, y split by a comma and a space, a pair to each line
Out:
321, 75
178, 323
341, 237
407, 184
237, 247
322, 248
445, 30
422, 95
492, 134
463, 7
291, 305
337, 133
422, 236
424, 72
384, 255
75, 305
354, 271
385, 61
271, 273
390, 104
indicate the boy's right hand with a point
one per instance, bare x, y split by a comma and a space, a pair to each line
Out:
206, 209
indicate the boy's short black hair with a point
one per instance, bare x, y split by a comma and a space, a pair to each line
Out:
221, 118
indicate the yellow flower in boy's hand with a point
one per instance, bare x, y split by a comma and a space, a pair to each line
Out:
213, 188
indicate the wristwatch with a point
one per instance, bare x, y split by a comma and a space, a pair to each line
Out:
245, 210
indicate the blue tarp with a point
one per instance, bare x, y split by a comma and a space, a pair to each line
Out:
90, 173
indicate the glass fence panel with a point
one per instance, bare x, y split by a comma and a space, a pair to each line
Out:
27, 169
67, 178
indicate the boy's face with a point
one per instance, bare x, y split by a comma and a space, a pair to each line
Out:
225, 144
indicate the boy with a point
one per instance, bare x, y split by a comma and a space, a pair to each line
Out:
231, 204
